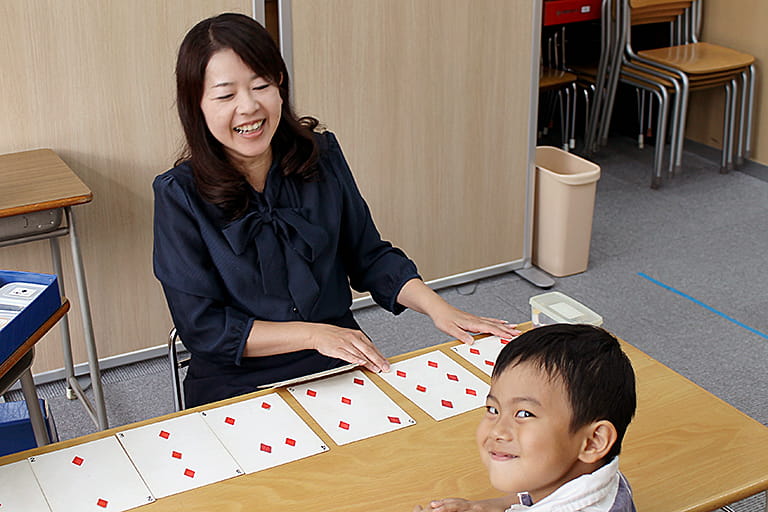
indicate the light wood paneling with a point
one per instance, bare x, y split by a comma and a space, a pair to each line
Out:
738, 25
431, 103
94, 82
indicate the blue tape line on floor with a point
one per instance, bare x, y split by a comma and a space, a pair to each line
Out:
709, 308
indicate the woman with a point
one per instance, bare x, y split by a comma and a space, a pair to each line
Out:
260, 229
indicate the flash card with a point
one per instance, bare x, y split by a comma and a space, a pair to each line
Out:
178, 455
437, 384
483, 352
350, 407
95, 476
263, 432
19, 490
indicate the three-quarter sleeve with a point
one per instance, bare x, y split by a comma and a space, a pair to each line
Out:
210, 326
372, 264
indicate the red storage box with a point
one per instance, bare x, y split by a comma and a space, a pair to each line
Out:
557, 12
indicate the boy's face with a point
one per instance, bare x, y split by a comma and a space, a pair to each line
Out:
524, 437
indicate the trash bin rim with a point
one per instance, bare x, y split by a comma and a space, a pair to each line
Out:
580, 178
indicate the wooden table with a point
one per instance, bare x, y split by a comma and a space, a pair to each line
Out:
39, 181
686, 451
17, 367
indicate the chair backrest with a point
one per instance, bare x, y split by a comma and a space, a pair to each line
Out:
176, 365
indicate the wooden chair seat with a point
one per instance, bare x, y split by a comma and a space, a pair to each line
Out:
660, 4
699, 58
555, 78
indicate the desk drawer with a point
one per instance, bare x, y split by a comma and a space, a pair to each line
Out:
557, 12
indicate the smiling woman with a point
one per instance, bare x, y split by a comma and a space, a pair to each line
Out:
260, 229
242, 111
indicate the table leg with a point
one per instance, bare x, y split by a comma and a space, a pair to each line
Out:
66, 343
35, 416
85, 309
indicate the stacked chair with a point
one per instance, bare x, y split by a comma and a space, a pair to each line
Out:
670, 74
557, 87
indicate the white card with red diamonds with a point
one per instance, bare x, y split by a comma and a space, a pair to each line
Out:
94, 476
350, 407
178, 454
263, 432
19, 490
483, 352
437, 384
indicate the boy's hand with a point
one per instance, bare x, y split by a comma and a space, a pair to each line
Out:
462, 505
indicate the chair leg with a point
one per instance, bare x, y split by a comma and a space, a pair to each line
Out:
732, 123
742, 119
178, 396
572, 129
640, 95
661, 136
563, 122
748, 136
726, 128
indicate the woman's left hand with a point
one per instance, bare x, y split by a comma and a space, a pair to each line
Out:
454, 322
459, 324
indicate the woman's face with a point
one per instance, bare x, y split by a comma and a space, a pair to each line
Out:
242, 111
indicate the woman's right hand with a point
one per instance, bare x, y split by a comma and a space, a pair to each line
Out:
349, 345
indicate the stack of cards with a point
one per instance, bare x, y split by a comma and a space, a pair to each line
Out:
349, 407
483, 352
437, 384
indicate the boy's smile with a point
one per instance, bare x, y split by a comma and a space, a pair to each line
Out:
524, 438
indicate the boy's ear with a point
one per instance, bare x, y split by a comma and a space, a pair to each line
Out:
599, 437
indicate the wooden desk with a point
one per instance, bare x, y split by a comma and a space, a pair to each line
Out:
38, 181
17, 367
686, 451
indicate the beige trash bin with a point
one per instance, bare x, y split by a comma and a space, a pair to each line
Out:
563, 208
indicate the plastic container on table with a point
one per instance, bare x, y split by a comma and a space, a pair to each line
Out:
558, 308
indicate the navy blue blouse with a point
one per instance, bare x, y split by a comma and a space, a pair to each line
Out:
291, 257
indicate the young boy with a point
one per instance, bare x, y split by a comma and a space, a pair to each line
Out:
560, 402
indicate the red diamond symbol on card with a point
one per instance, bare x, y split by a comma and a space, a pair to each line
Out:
432, 364
504, 342
452, 377
358, 381
102, 503
265, 405
78, 461
471, 392
447, 403
489, 363
344, 425
176, 455
266, 448
164, 434
421, 388
290, 442
188, 472
400, 373
393, 419
474, 351
229, 420
311, 393
346, 400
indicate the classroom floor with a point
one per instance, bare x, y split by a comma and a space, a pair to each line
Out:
678, 272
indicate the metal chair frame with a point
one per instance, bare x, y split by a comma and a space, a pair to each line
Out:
175, 365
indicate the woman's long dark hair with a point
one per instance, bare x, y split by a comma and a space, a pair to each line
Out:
217, 180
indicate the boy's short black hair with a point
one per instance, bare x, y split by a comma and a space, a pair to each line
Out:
595, 372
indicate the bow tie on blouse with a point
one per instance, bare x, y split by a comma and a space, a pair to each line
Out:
286, 244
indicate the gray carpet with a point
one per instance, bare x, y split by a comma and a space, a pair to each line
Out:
678, 272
